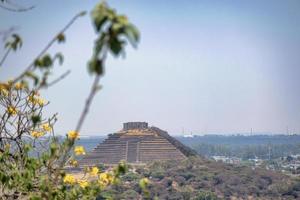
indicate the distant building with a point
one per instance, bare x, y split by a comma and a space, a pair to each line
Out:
135, 125
225, 159
137, 143
189, 135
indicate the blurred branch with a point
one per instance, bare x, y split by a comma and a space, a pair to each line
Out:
88, 102
14, 7
64, 75
5, 56
31, 65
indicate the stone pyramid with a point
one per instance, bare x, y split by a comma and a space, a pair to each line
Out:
137, 143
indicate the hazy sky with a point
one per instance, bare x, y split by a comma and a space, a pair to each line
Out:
208, 66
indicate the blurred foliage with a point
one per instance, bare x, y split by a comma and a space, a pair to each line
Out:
114, 31
34, 162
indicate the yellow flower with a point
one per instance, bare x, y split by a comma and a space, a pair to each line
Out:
94, 171
79, 150
4, 89
74, 162
37, 134
34, 99
4, 92
12, 110
4, 86
41, 101
19, 86
83, 183
105, 179
73, 135
145, 180
69, 179
46, 127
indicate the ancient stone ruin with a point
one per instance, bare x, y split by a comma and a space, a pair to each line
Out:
137, 143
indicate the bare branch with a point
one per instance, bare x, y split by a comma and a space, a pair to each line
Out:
64, 75
5, 56
54, 39
88, 103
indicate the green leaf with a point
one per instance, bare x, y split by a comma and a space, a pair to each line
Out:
60, 58
116, 46
122, 168
53, 149
46, 61
37, 63
45, 157
132, 34
122, 19
100, 15
3, 178
35, 197
117, 28
17, 43
35, 119
27, 148
61, 38
96, 66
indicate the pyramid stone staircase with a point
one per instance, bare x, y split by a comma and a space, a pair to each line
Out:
136, 143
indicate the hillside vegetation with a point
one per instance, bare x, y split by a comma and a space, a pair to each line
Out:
198, 178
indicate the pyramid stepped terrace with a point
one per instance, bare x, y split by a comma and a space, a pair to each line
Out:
137, 143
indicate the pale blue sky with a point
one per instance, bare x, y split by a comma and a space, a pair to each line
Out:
208, 66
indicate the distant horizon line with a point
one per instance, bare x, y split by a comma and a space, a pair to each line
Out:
213, 134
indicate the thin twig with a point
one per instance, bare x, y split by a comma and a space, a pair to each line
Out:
64, 75
81, 120
47, 47
88, 103
5, 56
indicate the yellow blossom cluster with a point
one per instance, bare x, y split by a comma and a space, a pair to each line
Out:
36, 100
46, 127
73, 135
73, 162
4, 88
94, 171
42, 131
3, 92
20, 86
37, 134
12, 110
70, 179
83, 183
105, 179
79, 150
